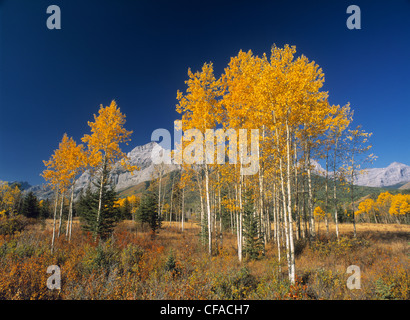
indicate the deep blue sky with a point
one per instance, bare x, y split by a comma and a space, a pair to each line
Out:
138, 53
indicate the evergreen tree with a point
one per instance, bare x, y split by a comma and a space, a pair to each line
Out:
148, 211
253, 244
45, 211
88, 210
30, 207
125, 210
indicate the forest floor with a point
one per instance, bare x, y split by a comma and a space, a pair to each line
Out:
173, 264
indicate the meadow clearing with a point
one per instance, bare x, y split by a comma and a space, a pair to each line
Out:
133, 264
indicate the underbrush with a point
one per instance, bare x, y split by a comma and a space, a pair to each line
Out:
10, 225
175, 265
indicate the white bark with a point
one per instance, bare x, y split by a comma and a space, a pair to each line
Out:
289, 207
54, 221
208, 208
70, 215
334, 190
61, 214
183, 209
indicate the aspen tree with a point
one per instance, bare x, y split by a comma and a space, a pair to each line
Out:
199, 109
358, 144
58, 175
342, 118
103, 146
239, 110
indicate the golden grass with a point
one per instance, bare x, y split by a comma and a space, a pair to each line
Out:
381, 251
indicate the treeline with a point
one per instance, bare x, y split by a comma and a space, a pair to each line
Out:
386, 208
13, 201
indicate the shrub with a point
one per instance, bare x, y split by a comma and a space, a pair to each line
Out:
384, 290
103, 257
235, 286
170, 263
338, 248
13, 224
131, 257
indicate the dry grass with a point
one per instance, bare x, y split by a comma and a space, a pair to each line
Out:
134, 265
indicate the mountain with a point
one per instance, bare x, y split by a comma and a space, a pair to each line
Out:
405, 186
317, 168
23, 185
396, 173
140, 156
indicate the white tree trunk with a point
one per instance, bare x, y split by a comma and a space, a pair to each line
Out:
334, 189
208, 209
70, 215
183, 210
289, 207
61, 214
54, 220
310, 197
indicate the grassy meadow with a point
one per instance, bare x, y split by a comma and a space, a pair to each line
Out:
174, 264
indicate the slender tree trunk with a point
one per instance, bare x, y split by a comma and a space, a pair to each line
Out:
327, 192
232, 224
202, 207
284, 201
262, 222
334, 189
305, 218
159, 192
239, 219
208, 208
268, 225
100, 197
183, 209
352, 198
291, 243
70, 215
274, 209
276, 223
374, 215
295, 163
54, 220
220, 210
170, 209
310, 197
60, 222
238, 238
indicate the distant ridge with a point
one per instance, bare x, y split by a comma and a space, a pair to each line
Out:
140, 156
405, 187
395, 173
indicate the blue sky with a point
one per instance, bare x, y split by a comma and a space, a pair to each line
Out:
138, 53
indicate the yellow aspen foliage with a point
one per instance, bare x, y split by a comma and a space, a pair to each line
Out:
319, 213
198, 105
9, 198
107, 132
366, 207
59, 171
65, 164
400, 204
384, 199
